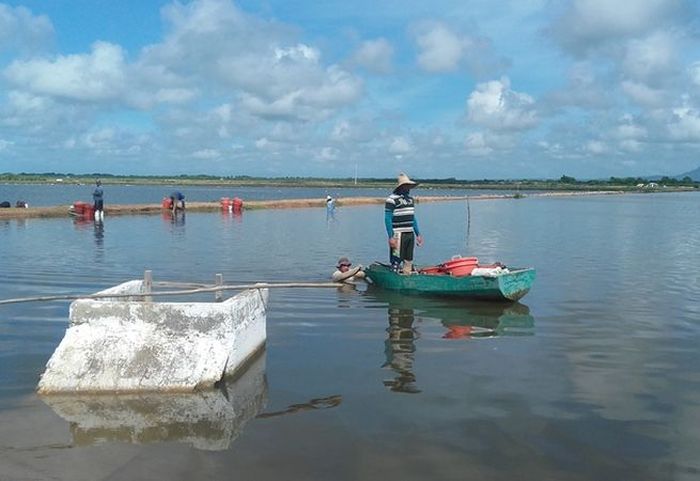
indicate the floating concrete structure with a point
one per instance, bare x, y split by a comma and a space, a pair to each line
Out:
128, 344
207, 420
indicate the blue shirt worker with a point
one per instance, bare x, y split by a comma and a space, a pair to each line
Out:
98, 199
401, 225
177, 200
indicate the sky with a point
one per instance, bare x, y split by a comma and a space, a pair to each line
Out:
471, 89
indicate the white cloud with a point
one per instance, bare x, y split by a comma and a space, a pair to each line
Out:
630, 131
440, 49
493, 104
328, 154
97, 76
476, 144
694, 72
20, 29
588, 24
375, 55
4, 144
400, 145
206, 154
631, 145
649, 58
643, 94
685, 125
596, 147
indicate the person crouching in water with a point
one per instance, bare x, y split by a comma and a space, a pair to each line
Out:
346, 273
177, 201
401, 225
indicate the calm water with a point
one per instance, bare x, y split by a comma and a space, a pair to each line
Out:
593, 377
47, 195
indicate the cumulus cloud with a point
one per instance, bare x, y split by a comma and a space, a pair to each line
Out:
476, 144
494, 105
642, 94
97, 76
685, 124
22, 30
650, 59
206, 154
400, 146
694, 72
586, 25
375, 55
213, 42
596, 147
441, 49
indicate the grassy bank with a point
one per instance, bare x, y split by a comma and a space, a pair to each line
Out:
564, 184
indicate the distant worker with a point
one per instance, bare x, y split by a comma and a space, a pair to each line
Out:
177, 201
347, 273
98, 198
401, 225
21, 204
330, 203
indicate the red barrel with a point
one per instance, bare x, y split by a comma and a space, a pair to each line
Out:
89, 211
78, 208
226, 204
237, 204
166, 203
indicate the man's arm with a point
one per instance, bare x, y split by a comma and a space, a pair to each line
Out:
343, 276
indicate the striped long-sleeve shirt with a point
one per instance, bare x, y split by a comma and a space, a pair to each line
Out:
399, 214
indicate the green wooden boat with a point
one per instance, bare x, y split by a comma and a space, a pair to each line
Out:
509, 286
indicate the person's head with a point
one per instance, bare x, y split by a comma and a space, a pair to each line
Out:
344, 264
98, 182
404, 184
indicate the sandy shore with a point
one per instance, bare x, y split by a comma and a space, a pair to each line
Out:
149, 209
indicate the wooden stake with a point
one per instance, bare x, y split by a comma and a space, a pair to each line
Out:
147, 284
219, 295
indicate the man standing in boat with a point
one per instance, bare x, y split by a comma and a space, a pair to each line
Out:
401, 225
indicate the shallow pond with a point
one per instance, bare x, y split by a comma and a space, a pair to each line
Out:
592, 376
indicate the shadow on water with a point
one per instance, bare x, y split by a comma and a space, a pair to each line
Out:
208, 420
461, 320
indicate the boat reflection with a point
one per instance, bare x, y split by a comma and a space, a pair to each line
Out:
207, 420
461, 319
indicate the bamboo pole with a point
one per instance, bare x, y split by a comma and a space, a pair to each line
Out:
233, 287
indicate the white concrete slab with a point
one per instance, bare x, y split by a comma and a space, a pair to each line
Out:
128, 345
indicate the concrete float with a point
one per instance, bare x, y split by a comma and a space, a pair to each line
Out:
128, 344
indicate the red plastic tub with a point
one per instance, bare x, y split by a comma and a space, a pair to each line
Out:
461, 266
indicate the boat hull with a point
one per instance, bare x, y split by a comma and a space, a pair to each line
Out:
505, 287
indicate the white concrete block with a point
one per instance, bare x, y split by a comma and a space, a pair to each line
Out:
128, 345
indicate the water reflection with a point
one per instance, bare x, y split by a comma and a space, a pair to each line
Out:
99, 231
399, 349
208, 420
460, 319
175, 219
